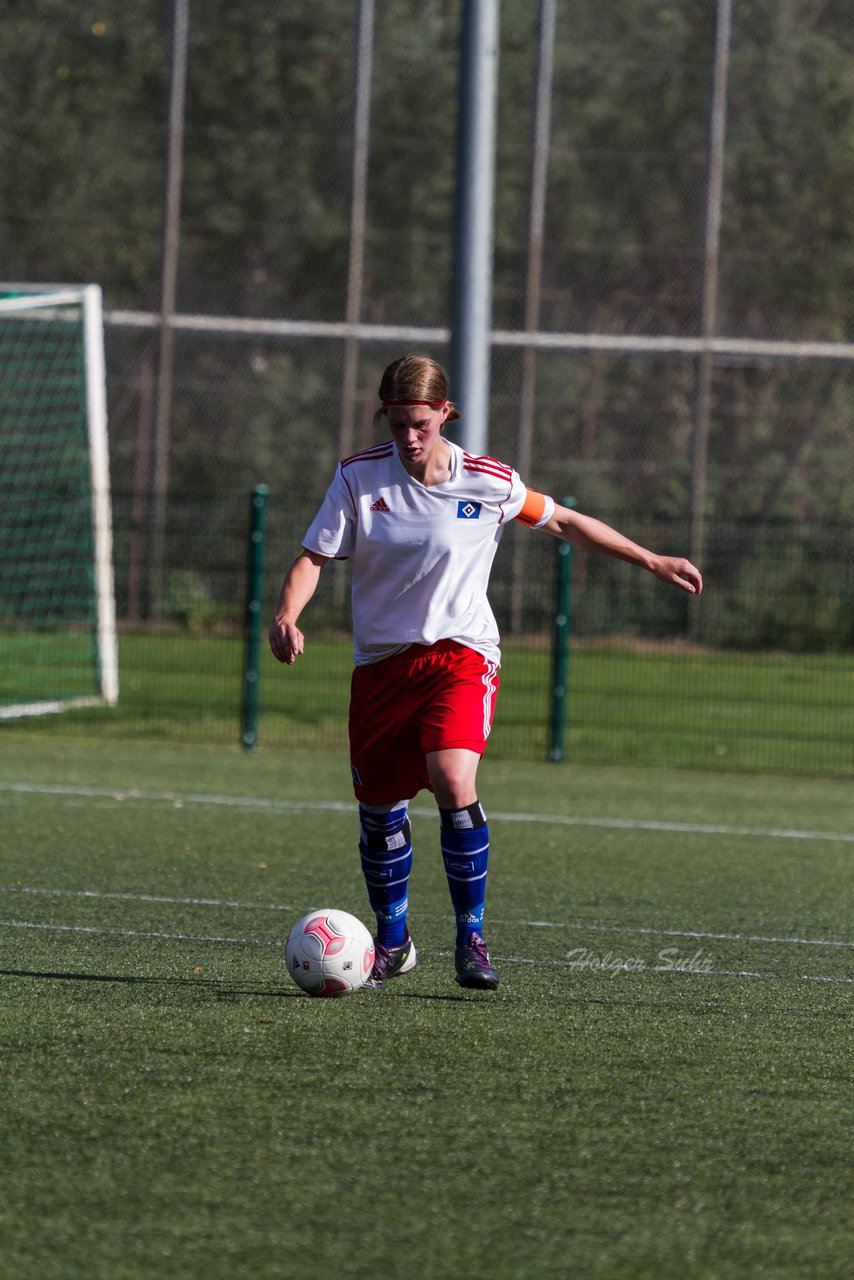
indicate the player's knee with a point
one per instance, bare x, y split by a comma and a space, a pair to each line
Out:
453, 777
454, 788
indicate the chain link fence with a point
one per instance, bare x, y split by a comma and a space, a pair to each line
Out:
659, 374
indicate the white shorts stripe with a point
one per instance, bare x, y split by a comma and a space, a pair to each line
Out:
489, 694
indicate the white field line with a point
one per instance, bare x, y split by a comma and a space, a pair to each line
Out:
266, 805
140, 933
262, 804
688, 933
150, 897
552, 963
236, 905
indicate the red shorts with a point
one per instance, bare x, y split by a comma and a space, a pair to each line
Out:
426, 698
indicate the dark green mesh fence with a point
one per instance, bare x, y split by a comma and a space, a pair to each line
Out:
768, 686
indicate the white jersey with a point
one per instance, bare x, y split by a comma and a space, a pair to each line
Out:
421, 556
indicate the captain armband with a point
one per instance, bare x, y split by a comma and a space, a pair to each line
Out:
537, 509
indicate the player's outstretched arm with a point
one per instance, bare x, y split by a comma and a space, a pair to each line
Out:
593, 535
286, 640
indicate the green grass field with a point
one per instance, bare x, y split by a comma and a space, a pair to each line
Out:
660, 1088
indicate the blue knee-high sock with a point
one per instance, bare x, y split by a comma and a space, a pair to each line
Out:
386, 850
465, 850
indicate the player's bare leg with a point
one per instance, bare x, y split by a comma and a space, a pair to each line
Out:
453, 774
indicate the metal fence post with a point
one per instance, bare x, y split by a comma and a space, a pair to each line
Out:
254, 590
560, 646
474, 215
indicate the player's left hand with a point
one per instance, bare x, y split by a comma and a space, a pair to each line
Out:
679, 573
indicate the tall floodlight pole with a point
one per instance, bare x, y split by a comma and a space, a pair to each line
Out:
363, 76
358, 220
544, 78
536, 224
471, 312
163, 412
711, 264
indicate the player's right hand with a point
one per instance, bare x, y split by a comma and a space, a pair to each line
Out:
286, 641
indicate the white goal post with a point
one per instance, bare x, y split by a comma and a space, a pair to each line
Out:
58, 643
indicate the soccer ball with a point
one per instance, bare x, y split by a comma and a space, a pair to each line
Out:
329, 953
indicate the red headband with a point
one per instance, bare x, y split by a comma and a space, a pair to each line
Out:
434, 404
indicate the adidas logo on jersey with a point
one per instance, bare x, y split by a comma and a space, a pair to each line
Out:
380, 505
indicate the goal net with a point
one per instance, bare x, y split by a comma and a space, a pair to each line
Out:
57, 605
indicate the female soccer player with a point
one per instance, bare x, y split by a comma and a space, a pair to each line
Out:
421, 520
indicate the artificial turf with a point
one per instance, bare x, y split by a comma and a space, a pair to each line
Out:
659, 1088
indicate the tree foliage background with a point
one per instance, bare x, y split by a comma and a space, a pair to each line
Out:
264, 233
